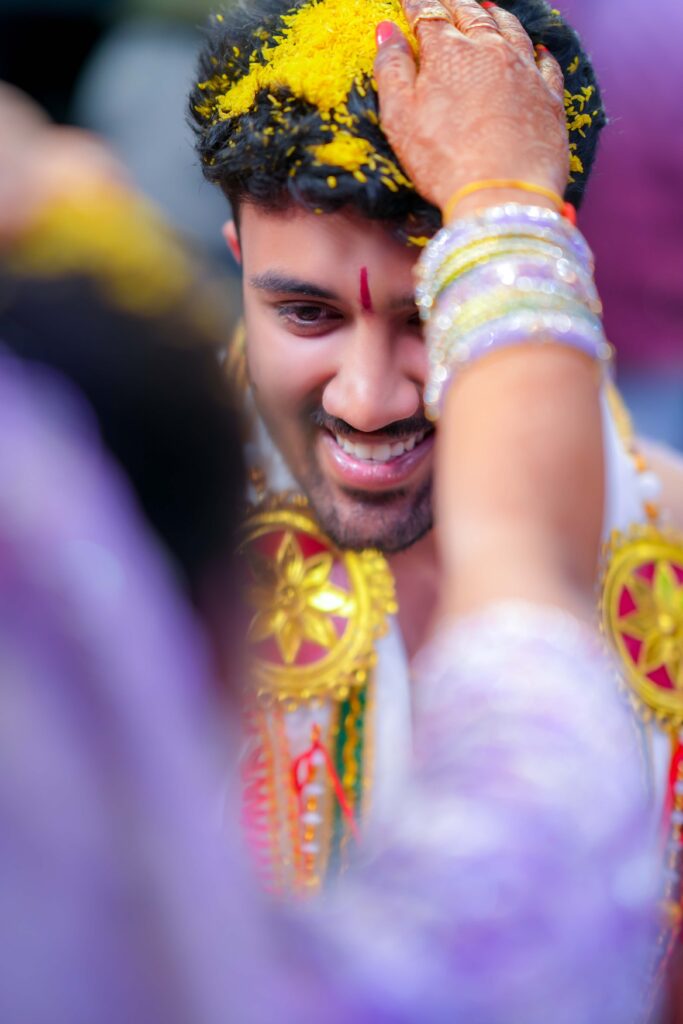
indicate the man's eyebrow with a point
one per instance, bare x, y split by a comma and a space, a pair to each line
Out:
280, 283
273, 281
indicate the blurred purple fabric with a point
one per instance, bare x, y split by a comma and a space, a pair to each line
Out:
514, 885
632, 215
114, 888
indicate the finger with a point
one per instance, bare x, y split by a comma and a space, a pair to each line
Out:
550, 70
395, 73
421, 12
511, 30
472, 19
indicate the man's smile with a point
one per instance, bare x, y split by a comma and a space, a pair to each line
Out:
374, 461
379, 451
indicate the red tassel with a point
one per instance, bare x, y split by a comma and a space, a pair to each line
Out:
305, 761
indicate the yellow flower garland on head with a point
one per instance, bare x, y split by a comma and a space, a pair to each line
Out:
579, 117
322, 51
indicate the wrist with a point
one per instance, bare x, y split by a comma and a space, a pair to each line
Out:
490, 197
507, 275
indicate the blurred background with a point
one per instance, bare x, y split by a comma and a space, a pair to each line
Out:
122, 68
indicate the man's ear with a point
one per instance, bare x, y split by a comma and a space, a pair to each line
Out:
233, 242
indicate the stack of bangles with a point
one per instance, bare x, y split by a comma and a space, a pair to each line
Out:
507, 275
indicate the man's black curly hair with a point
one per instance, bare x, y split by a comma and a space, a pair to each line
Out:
266, 155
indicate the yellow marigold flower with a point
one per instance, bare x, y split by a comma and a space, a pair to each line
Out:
324, 49
575, 162
347, 151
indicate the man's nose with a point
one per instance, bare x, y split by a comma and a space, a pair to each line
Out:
376, 383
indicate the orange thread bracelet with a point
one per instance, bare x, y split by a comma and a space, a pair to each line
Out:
566, 209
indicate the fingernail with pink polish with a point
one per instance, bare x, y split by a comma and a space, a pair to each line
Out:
385, 32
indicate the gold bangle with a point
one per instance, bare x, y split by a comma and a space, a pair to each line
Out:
456, 267
480, 311
431, 10
499, 183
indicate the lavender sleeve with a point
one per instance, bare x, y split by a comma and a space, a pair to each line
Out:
118, 901
518, 881
514, 884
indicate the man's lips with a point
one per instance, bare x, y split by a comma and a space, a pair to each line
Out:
365, 474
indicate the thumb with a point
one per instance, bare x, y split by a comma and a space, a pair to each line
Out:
396, 73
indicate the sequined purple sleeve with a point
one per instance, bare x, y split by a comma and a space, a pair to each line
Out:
513, 886
517, 884
118, 903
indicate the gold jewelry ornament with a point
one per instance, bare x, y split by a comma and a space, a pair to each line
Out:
236, 359
432, 10
500, 183
642, 616
316, 610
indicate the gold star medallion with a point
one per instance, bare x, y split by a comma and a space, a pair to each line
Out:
315, 610
642, 614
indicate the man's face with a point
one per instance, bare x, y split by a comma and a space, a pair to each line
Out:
337, 365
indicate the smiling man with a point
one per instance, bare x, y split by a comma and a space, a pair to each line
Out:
337, 366
328, 228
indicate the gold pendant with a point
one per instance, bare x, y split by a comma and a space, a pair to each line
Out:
642, 615
316, 610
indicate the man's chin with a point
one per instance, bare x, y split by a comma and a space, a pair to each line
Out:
389, 522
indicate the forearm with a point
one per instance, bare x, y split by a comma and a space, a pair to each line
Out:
519, 473
519, 480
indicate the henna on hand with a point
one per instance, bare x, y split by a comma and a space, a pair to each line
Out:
481, 104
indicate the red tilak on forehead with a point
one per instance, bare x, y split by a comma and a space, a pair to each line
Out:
365, 296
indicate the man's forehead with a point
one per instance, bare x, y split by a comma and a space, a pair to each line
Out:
342, 227
327, 252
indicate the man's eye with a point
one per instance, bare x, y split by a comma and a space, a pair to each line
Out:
308, 314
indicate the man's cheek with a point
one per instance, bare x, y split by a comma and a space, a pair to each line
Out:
278, 403
276, 389
260, 371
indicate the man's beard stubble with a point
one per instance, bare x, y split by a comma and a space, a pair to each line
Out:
371, 522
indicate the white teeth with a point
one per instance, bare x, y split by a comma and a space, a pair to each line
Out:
379, 452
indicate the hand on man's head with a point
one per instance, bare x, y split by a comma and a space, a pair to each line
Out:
477, 103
